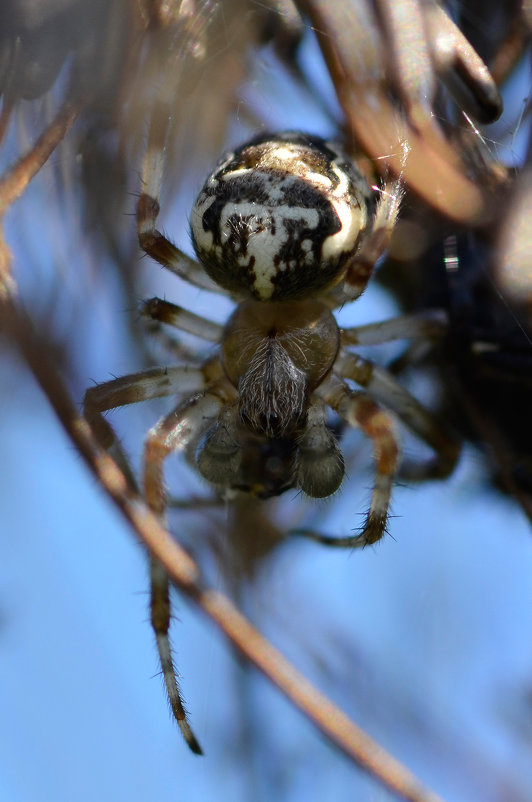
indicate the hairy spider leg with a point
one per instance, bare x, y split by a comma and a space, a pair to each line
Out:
373, 246
172, 315
171, 434
158, 314
360, 411
423, 329
429, 326
153, 383
151, 240
384, 388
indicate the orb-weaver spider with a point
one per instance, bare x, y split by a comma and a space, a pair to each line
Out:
289, 228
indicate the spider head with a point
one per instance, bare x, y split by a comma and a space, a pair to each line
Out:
280, 218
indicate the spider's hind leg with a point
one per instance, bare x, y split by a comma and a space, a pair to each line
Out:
384, 388
160, 616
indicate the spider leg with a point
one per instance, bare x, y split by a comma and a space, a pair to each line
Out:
360, 411
383, 387
151, 240
154, 383
173, 349
430, 325
424, 329
164, 312
158, 314
172, 433
373, 245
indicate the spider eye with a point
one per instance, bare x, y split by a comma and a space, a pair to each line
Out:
279, 218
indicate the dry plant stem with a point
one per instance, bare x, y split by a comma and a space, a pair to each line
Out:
350, 738
7, 284
15, 180
5, 115
378, 127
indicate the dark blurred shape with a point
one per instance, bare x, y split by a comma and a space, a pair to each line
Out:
490, 348
485, 361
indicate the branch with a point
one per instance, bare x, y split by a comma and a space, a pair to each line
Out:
15, 181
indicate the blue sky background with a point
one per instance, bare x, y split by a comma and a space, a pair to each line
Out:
424, 640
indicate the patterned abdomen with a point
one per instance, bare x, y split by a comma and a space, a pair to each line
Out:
280, 217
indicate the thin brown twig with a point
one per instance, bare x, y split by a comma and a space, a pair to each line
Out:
14, 181
5, 116
330, 719
374, 122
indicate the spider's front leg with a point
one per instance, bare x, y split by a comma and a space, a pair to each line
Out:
160, 248
175, 432
374, 243
136, 387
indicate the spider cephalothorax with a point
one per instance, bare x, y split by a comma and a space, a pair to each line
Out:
286, 226
275, 355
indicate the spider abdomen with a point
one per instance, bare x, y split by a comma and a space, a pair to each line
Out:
280, 217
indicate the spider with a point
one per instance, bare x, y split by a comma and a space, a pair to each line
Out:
289, 228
